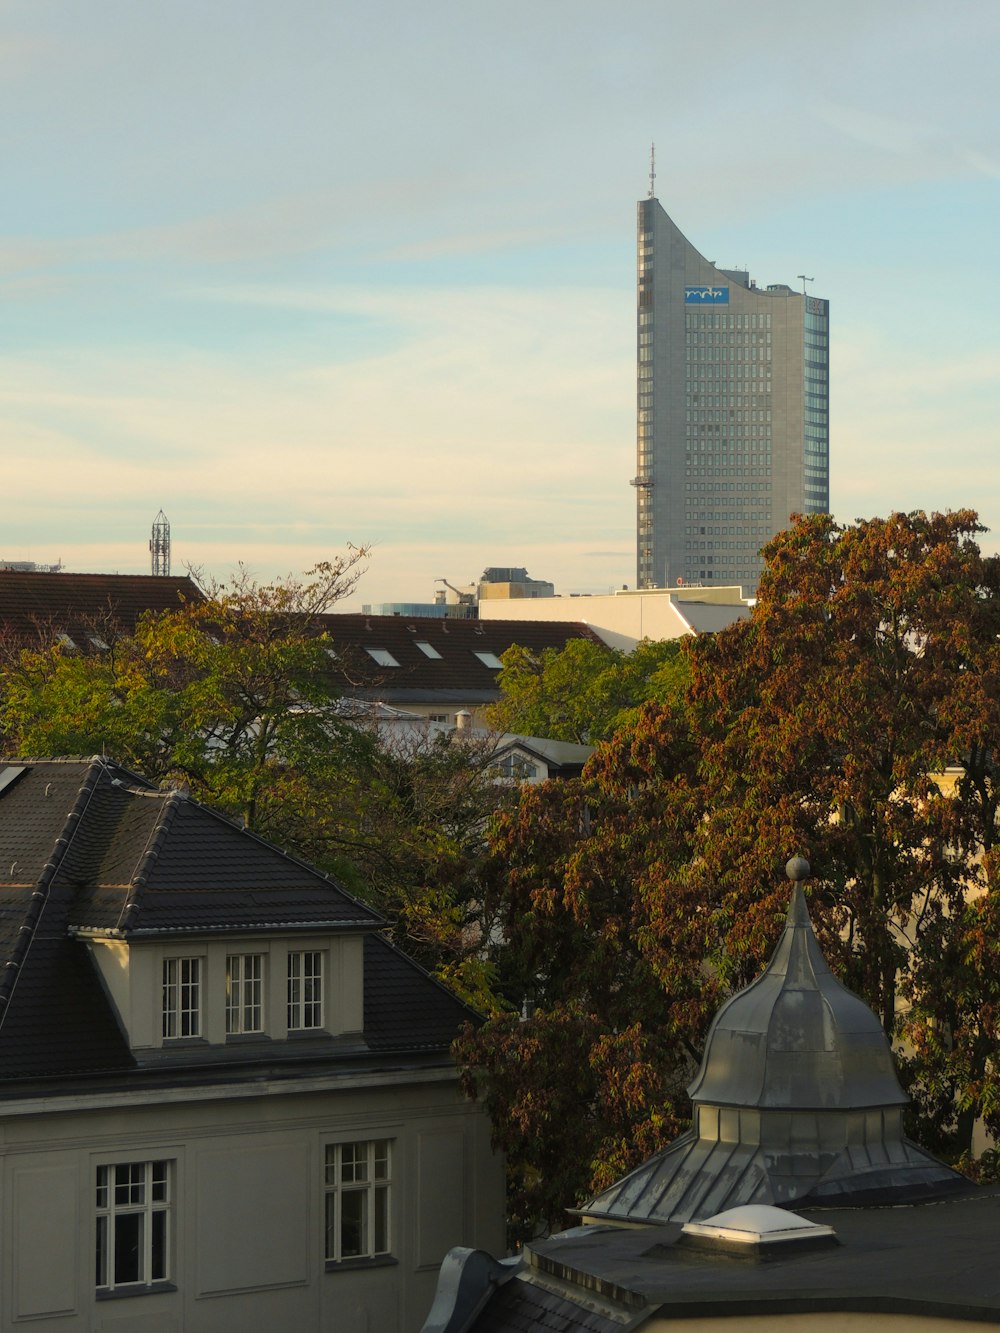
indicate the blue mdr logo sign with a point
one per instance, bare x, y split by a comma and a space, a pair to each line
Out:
706, 295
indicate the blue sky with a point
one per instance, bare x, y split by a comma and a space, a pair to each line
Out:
309, 273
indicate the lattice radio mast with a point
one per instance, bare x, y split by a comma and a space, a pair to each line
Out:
159, 545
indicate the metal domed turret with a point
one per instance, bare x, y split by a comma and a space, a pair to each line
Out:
796, 1037
796, 1102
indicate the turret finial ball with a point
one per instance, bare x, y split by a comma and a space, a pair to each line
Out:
797, 869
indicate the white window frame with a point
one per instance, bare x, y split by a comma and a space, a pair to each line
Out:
139, 1195
358, 1200
244, 993
305, 1007
181, 998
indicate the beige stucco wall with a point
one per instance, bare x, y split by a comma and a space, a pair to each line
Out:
132, 978
247, 1219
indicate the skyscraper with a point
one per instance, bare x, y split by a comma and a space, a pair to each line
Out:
733, 424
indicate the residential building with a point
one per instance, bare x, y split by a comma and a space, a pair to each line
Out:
435, 666
430, 665
227, 1101
733, 424
795, 1200
534, 759
511, 757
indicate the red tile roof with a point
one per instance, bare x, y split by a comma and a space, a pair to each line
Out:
33, 606
453, 671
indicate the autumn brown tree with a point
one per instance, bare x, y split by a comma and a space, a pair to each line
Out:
601, 963
853, 717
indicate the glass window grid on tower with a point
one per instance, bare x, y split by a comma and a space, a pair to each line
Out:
728, 447
816, 429
644, 393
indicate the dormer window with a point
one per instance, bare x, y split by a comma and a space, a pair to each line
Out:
244, 993
181, 997
305, 990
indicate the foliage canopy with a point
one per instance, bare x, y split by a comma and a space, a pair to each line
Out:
585, 691
854, 717
237, 698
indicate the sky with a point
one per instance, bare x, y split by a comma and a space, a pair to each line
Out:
317, 273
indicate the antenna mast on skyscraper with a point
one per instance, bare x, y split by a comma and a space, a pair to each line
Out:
159, 545
652, 171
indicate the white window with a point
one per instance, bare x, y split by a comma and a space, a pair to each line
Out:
517, 767
382, 656
244, 993
305, 990
133, 1224
358, 1178
427, 649
490, 660
182, 997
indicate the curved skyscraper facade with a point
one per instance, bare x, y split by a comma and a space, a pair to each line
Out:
733, 412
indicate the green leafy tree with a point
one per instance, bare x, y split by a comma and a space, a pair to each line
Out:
583, 692
233, 695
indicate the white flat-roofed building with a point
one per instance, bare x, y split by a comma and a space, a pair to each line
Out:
623, 619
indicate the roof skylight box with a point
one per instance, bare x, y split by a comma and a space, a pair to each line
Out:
382, 656
756, 1231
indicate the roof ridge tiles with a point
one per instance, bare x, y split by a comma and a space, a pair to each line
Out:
39, 896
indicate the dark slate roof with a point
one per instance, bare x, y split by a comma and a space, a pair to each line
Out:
34, 606
478, 1292
456, 674
86, 847
404, 1007
166, 864
525, 1307
933, 1260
